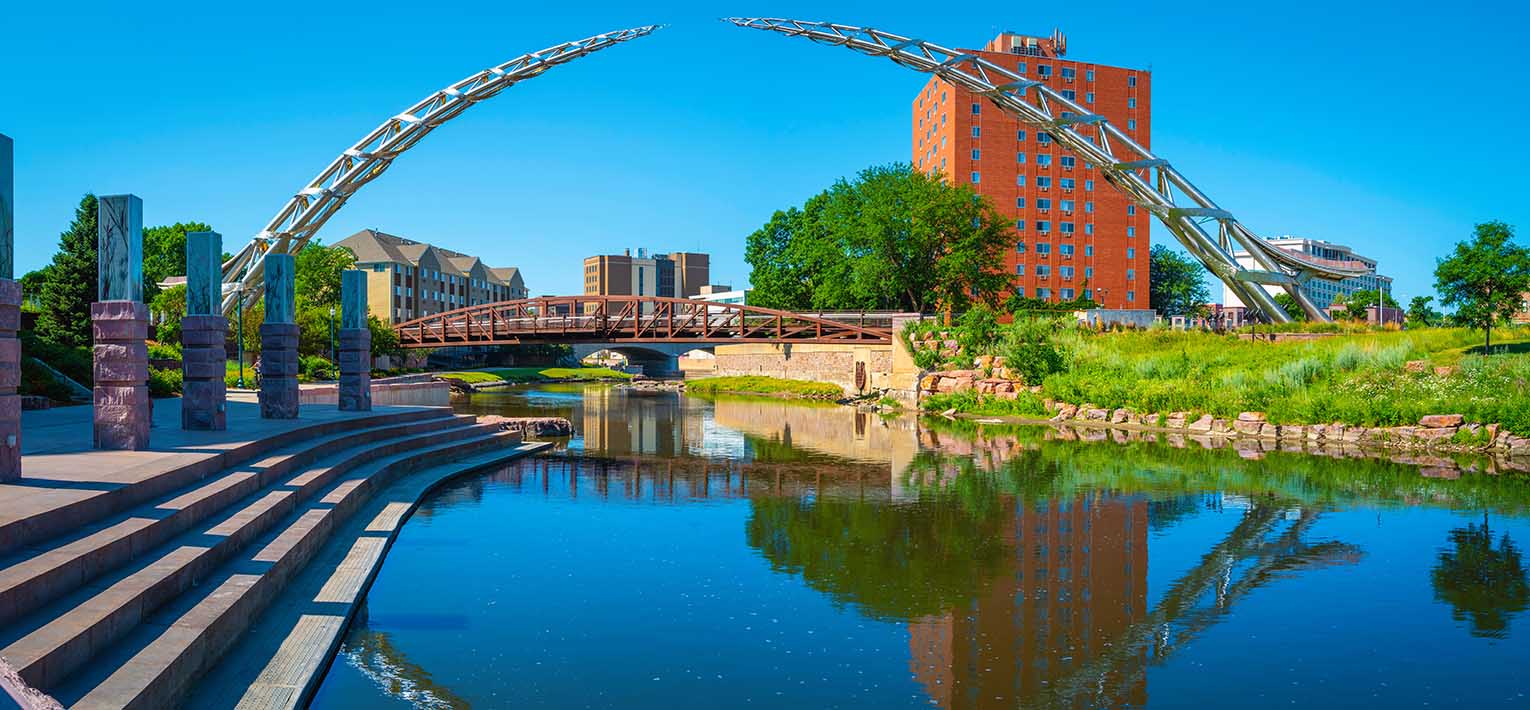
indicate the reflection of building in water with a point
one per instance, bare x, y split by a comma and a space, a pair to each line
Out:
617, 422
1077, 582
842, 432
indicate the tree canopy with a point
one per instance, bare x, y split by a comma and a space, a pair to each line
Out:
68, 284
1176, 283
164, 253
317, 275
1485, 279
1356, 304
893, 238
1421, 313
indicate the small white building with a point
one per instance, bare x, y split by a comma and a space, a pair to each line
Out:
1321, 291
718, 293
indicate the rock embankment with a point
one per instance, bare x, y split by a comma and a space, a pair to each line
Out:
531, 426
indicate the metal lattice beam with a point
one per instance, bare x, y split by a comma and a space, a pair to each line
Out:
311, 207
1148, 180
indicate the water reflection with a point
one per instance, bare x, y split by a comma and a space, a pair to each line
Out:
985, 567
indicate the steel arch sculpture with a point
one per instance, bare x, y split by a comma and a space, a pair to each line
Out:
637, 319
1148, 180
311, 207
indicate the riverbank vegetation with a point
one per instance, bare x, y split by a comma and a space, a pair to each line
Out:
771, 386
520, 375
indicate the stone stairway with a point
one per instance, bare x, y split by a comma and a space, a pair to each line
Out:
131, 608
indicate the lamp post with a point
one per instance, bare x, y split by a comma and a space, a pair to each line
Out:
240, 335
331, 333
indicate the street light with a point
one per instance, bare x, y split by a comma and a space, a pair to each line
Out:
331, 333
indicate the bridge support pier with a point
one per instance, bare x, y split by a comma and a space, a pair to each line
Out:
120, 326
10, 322
355, 392
204, 334
279, 341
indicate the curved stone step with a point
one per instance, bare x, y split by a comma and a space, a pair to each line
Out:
34, 514
34, 577
155, 667
66, 639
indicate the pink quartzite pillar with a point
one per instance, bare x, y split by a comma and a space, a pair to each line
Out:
355, 343
120, 324
10, 322
204, 336
279, 342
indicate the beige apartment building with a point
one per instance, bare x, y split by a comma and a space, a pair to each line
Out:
407, 279
676, 275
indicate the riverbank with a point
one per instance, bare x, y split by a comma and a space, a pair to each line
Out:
493, 378
765, 386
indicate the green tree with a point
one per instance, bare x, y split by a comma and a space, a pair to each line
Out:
316, 277
384, 339
164, 254
1485, 280
170, 307
1176, 283
892, 238
1356, 305
1421, 314
1289, 305
313, 323
31, 286
1483, 584
69, 283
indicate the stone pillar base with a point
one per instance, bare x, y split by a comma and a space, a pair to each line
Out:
122, 411
10, 379
278, 370
356, 369
204, 358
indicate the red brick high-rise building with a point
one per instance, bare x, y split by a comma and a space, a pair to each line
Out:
1075, 235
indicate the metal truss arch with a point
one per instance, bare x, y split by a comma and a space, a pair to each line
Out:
1148, 180
635, 320
307, 211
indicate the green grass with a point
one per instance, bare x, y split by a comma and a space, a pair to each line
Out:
1356, 378
535, 374
1025, 404
754, 384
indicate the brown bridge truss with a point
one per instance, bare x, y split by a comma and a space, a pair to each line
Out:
637, 319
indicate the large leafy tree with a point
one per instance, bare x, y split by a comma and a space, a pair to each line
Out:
1356, 304
892, 238
317, 275
164, 253
1176, 283
1485, 279
1288, 304
68, 284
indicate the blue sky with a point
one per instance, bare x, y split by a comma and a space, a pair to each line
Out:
1389, 127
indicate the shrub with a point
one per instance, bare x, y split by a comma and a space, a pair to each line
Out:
977, 331
164, 351
164, 382
313, 367
1029, 350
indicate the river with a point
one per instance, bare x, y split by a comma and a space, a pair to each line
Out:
681, 551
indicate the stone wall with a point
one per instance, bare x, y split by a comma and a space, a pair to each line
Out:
434, 393
819, 363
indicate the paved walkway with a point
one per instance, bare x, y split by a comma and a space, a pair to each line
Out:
60, 468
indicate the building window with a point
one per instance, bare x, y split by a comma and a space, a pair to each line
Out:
976, 178
1089, 186
1089, 97
1067, 293
1020, 67
1131, 80
1131, 252
1019, 225
1131, 210
1130, 231
1088, 228
1043, 137
1020, 136
1043, 182
977, 108
1068, 72
1043, 247
1065, 205
1019, 247
1020, 180
1070, 94
1067, 161
1043, 271
975, 154
1065, 183
1044, 70
1088, 207
1019, 269
1131, 296
977, 132
1088, 296
1043, 159
1089, 272
1089, 75
1131, 124
1043, 204
1065, 249
1020, 158
1043, 293
1131, 274
1020, 203
1066, 228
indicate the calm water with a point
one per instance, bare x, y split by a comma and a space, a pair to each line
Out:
682, 552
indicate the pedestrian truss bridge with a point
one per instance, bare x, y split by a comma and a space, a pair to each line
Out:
637, 320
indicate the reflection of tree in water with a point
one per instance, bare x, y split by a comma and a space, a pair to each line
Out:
1484, 585
374, 655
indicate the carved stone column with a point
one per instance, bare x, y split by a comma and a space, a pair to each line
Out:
204, 336
10, 322
279, 341
120, 324
355, 343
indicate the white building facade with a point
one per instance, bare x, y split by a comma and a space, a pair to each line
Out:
1321, 291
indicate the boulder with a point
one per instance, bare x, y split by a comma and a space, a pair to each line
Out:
1097, 415
1251, 417
1269, 431
1433, 434
1066, 411
1175, 420
1441, 420
1416, 366
1120, 416
1293, 431
1201, 425
1250, 427
1221, 426
1446, 371
929, 382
